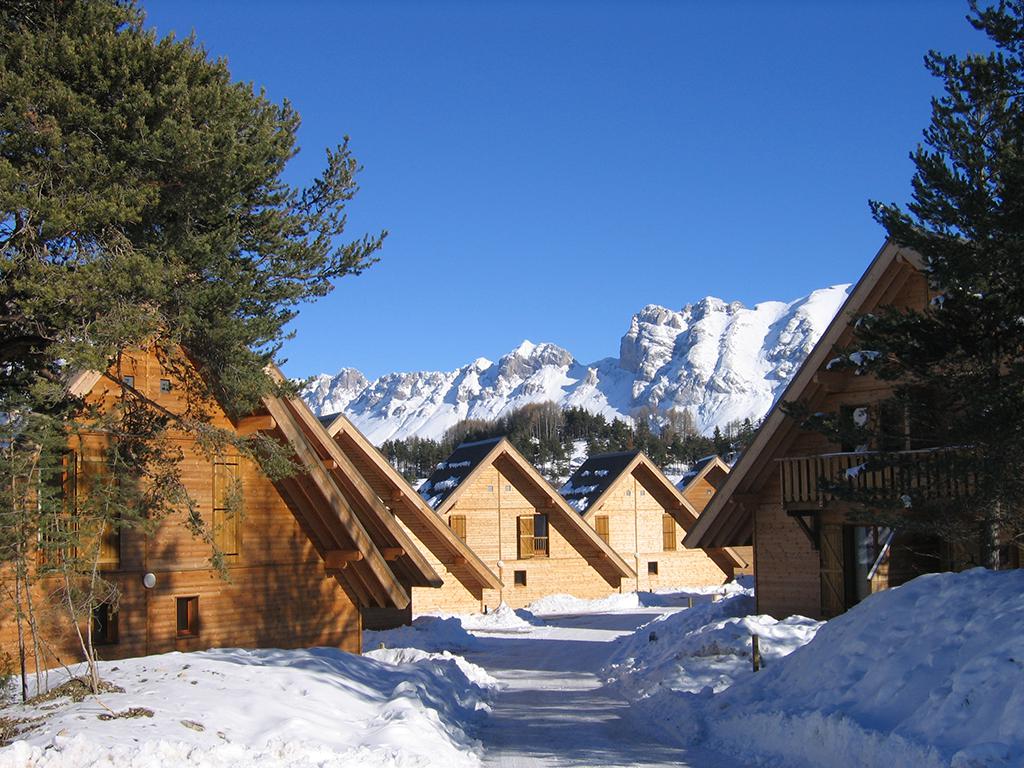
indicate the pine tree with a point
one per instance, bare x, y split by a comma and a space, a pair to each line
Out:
958, 365
141, 203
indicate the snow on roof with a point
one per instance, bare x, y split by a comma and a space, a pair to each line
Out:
594, 477
452, 471
697, 467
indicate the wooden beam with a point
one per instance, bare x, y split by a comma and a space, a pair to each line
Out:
348, 475
339, 558
385, 586
250, 425
392, 553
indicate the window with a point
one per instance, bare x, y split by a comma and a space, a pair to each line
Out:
104, 624
652, 568
490, 489
227, 505
519, 578
129, 381
533, 536
668, 533
87, 519
601, 526
458, 525
188, 616
165, 385
629, 492
508, 487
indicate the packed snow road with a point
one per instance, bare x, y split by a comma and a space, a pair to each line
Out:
555, 710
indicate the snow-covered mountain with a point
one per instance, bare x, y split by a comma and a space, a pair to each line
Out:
721, 361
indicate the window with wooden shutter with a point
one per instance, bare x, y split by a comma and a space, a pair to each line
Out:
104, 624
458, 525
96, 497
601, 526
525, 537
227, 505
668, 533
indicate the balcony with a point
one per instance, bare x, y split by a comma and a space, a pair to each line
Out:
811, 482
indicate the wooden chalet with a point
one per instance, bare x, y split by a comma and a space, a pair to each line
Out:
518, 524
811, 554
699, 484
462, 570
637, 511
305, 556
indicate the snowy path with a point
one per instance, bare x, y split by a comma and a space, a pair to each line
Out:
555, 712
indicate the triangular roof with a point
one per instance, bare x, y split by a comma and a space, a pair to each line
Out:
450, 473
616, 468
366, 551
501, 453
701, 469
728, 518
408, 505
594, 477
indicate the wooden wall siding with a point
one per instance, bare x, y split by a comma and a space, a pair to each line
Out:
699, 493
636, 530
277, 594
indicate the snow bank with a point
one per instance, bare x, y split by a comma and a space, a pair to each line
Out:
555, 605
928, 674
501, 619
428, 633
707, 646
267, 708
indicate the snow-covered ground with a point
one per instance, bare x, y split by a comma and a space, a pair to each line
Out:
269, 709
930, 674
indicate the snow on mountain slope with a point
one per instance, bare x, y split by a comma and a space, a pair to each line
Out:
721, 361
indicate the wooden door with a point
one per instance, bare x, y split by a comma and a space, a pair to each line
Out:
833, 581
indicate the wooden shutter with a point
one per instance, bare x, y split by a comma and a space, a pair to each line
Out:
227, 505
668, 533
833, 583
601, 526
525, 536
94, 519
458, 525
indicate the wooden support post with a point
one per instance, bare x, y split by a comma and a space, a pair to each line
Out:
755, 652
689, 601
250, 425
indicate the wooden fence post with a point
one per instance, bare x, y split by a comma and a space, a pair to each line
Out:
755, 652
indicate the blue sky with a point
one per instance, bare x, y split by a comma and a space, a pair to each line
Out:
546, 169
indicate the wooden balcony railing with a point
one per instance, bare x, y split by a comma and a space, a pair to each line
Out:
810, 482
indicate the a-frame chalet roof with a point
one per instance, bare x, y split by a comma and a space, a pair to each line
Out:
450, 473
470, 458
361, 544
702, 468
408, 505
594, 477
618, 467
728, 518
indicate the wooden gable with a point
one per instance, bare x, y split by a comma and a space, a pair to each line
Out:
425, 524
895, 275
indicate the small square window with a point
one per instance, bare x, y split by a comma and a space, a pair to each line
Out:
519, 578
652, 568
165, 385
490, 489
104, 624
643, 492
629, 493
508, 487
188, 616
129, 381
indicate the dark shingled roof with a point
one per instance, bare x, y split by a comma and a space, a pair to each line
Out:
594, 477
450, 473
695, 470
327, 419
